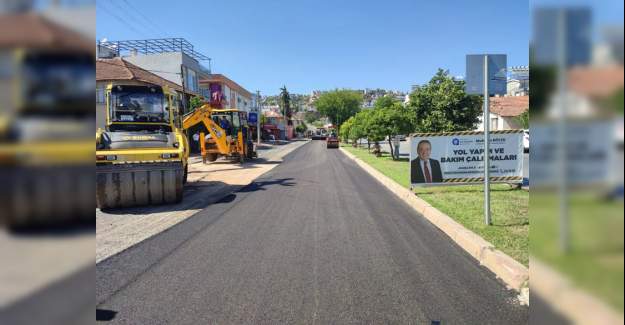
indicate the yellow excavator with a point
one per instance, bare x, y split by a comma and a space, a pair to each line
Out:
142, 153
228, 133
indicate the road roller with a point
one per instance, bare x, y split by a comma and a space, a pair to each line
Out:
142, 152
46, 125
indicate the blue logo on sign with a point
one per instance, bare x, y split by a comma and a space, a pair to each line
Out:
455, 141
252, 118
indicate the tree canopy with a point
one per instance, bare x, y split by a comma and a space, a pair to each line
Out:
339, 105
285, 103
442, 105
195, 102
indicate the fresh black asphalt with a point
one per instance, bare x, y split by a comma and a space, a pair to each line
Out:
314, 241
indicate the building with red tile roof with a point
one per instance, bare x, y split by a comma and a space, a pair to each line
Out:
504, 112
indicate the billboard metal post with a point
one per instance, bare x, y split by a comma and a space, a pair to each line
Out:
486, 146
562, 136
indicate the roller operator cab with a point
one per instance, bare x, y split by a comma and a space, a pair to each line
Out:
46, 125
142, 153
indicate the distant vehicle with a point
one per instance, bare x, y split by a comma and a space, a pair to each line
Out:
400, 137
332, 141
526, 141
320, 134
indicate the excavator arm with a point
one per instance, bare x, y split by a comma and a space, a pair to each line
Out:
203, 115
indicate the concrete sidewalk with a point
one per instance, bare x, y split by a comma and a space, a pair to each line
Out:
119, 229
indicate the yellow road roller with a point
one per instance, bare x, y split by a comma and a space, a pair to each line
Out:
46, 125
142, 153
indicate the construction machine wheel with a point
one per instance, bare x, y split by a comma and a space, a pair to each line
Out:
119, 186
186, 174
46, 196
211, 156
249, 152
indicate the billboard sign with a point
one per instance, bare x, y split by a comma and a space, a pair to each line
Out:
252, 117
590, 153
497, 80
458, 157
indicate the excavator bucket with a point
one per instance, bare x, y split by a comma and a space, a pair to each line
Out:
126, 185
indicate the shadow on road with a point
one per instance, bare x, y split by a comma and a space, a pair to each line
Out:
197, 195
66, 229
201, 194
263, 185
104, 315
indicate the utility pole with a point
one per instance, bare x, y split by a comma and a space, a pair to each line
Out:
562, 152
258, 114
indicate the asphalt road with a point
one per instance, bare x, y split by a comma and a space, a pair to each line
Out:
316, 241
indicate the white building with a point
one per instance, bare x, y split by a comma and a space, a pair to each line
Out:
172, 59
504, 112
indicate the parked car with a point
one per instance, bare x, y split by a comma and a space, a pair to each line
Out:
526, 141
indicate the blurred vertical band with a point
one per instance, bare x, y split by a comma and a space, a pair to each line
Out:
47, 192
576, 163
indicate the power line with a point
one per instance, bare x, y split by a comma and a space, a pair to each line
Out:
120, 19
145, 18
132, 19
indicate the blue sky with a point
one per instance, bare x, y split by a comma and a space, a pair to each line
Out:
308, 45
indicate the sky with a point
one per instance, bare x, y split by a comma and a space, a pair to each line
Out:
319, 45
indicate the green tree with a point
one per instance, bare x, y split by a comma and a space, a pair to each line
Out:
345, 129
339, 105
285, 104
390, 121
615, 102
544, 81
310, 117
196, 102
443, 105
301, 128
384, 102
317, 124
524, 119
357, 130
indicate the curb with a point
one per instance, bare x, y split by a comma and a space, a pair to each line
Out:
514, 274
573, 303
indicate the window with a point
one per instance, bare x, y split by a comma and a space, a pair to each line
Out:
99, 95
493, 123
190, 79
6, 65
